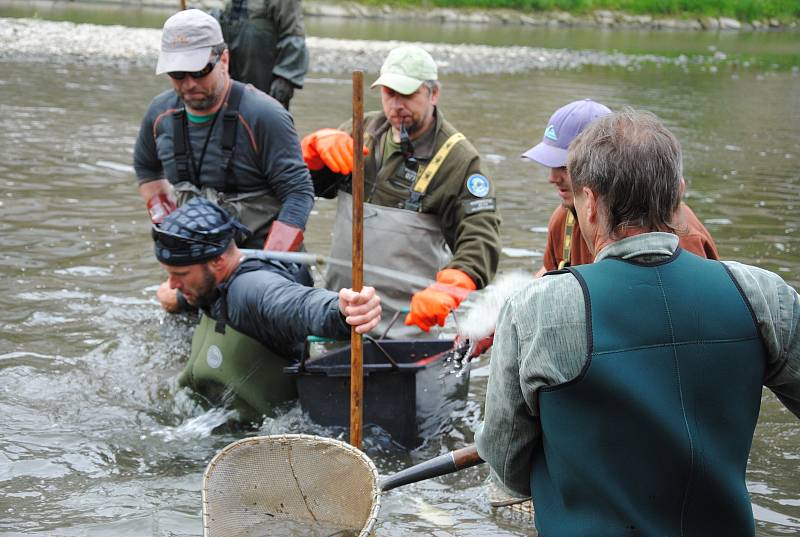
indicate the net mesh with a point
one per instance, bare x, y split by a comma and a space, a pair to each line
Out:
289, 485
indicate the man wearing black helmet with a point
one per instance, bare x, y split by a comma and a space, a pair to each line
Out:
255, 317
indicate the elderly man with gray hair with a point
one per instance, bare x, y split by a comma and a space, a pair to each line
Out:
623, 394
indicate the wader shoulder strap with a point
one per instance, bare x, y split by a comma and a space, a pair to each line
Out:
414, 202
180, 145
569, 227
229, 123
433, 166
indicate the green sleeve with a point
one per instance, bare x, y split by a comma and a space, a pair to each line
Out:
473, 236
291, 55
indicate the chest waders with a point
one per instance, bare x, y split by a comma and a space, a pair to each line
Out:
652, 438
256, 209
400, 239
232, 369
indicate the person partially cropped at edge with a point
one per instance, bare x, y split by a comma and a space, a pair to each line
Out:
267, 44
565, 247
623, 394
255, 316
430, 211
213, 137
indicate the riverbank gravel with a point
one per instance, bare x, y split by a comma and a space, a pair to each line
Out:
66, 42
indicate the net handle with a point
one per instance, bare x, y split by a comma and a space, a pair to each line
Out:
448, 463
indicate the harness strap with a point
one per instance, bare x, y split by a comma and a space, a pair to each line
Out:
430, 170
230, 120
180, 145
569, 227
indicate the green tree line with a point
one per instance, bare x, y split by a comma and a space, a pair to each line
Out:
740, 9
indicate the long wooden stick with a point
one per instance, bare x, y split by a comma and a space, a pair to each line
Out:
183, 5
356, 343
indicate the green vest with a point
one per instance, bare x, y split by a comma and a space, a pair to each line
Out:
235, 370
652, 438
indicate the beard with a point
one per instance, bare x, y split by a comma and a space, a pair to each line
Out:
206, 102
205, 294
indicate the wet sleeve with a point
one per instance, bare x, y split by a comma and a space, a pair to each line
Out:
286, 173
145, 155
281, 313
508, 435
776, 307
326, 182
291, 55
474, 229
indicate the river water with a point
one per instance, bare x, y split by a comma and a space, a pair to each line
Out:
94, 438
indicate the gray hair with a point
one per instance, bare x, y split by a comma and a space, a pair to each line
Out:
633, 163
430, 84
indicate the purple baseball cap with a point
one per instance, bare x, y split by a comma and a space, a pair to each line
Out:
564, 125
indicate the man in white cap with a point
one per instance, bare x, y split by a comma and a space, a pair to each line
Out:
430, 210
213, 137
565, 246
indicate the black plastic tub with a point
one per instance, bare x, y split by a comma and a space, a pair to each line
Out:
409, 388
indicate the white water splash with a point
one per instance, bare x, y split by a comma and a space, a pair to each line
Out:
484, 306
197, 427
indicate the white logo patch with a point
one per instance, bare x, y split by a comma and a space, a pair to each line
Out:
478, 185
214, 357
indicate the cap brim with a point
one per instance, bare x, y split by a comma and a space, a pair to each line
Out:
183, 60
399, 83
547, 155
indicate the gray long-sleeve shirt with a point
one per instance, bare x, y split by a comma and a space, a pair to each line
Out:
541, 341
265, 303
267, 156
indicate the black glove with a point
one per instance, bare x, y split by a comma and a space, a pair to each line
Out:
282, 90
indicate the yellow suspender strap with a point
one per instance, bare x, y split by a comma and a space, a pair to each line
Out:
430, 170
569, 225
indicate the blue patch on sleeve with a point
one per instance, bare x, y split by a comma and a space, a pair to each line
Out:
478, 185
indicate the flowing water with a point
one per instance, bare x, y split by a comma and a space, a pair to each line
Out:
94, 438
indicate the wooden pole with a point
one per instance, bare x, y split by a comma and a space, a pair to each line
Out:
183, 5
356, 343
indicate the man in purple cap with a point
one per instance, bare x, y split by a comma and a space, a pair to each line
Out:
213, 137
565, 246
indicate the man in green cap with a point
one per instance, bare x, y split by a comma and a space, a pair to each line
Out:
430, 210
255, 316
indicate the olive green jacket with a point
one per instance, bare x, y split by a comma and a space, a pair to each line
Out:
470, 223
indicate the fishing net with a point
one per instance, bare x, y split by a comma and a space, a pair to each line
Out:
287, 485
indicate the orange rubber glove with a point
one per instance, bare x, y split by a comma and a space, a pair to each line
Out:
432, 305
283, 237
329, 148
160, 205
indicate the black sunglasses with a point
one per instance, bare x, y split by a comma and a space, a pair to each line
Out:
171, 240
180, 75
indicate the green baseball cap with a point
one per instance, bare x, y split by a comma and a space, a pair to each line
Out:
405, 69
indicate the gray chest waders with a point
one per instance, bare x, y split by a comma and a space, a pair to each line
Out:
235, 370
399, 239
256, 209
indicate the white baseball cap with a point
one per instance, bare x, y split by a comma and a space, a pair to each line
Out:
186, 41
